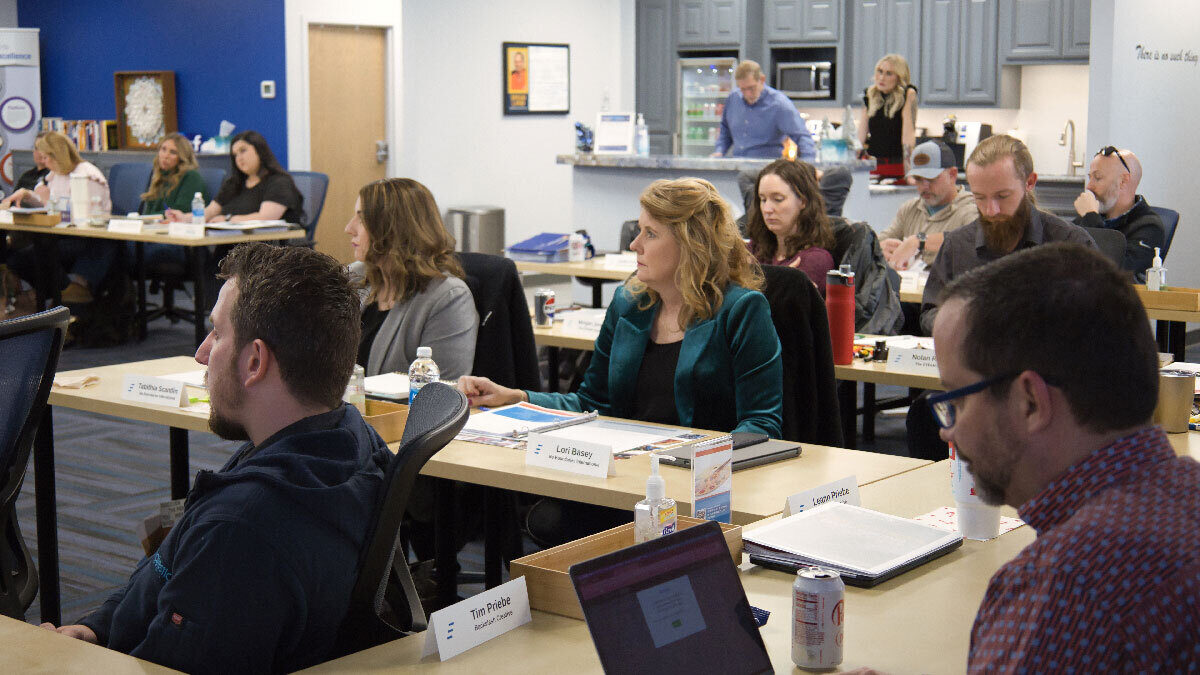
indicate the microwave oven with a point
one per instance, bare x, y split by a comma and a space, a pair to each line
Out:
805, 79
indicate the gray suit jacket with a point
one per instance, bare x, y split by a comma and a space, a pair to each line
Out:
442, 317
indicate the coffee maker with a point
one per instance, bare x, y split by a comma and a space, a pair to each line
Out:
962, 137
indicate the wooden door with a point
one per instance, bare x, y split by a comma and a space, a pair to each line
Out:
347, 117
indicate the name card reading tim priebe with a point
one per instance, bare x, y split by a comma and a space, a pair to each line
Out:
463, 625
567, 454
156, 390
915, 361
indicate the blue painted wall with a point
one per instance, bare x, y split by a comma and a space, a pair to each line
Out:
219, 49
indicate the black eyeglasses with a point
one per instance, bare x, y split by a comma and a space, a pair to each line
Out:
1111, 151
942, 404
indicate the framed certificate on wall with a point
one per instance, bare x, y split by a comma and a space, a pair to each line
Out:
537, 78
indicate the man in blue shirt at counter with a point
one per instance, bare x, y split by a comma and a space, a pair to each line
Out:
757, 118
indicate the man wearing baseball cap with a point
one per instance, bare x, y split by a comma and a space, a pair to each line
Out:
940, 206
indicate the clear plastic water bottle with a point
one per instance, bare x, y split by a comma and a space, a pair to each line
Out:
643, 137
356, 389
198, 209
421, 372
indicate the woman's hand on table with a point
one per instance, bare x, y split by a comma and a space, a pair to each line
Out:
175, 216
16, 198
482, 391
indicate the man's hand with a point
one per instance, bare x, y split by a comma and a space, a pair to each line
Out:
889, 247
902, 255
77, 631
1087, 203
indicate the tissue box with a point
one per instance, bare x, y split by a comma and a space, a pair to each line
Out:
545, 572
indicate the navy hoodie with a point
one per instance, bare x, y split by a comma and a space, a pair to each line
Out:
256, 575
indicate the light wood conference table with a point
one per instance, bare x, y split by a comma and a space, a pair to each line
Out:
758, 491
917, 622
195, 248
591, 271
30, 649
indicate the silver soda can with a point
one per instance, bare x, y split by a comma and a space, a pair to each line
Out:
818, 605
543, 307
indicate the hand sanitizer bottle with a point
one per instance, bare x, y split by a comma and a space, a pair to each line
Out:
654, 516
643, 137
1156, 274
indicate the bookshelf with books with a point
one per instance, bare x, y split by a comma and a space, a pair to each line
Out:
87, 135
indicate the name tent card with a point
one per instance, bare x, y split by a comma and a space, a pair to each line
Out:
915, 361
844, 490
125, 226
156, 390
472, 622
186, 230
567, 454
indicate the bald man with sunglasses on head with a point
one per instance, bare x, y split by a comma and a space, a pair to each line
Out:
1111, 201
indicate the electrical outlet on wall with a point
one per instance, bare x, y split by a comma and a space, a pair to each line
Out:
267, 88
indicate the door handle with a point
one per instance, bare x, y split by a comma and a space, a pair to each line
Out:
381, 152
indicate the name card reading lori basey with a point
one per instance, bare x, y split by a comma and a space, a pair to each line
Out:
568, 454
844, 490
914, 361
471, 622
156, 390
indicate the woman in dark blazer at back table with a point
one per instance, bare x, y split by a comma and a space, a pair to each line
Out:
689, 339
257, 187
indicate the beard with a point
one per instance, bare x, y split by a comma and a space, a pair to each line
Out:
227, 394
1002, 233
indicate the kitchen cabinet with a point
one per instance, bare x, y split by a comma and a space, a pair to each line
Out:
958, 52
802, 21
1045, 31
876, 28
655, 70
709, 23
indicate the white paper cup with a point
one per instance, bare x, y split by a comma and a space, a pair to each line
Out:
978, 521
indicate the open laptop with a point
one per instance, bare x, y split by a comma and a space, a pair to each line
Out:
749, 450
670, 605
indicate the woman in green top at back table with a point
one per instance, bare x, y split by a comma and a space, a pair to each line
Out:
173, 184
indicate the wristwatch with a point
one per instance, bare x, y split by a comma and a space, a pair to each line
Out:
920, 242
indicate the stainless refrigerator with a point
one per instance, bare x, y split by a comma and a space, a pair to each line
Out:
704, 84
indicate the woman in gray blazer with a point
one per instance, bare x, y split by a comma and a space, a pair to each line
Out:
413, 289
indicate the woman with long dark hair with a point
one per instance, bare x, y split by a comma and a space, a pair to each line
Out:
257, 187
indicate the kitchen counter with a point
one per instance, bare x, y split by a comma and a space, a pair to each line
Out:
692, 163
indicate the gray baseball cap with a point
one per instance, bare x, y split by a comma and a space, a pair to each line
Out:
930, 158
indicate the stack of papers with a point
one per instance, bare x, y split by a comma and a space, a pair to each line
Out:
388, 385
866, 547
509, 426
248, 226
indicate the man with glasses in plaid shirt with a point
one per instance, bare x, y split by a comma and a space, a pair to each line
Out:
1053, 377
1111, 200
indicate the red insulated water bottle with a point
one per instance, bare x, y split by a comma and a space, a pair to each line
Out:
839, 305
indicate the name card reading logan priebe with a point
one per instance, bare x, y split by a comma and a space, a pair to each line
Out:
156, 390
125, 226
471, 622
915, 361
568, 454
844, 490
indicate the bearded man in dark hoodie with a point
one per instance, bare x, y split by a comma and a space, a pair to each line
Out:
256, 575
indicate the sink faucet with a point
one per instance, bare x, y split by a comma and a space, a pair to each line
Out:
1064, 139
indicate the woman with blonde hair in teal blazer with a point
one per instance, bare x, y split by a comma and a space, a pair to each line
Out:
688, 340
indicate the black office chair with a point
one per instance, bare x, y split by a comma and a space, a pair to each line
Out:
384, 604
31, 346
1110, 242
213, 178
126, 183
810, 401
1170, 220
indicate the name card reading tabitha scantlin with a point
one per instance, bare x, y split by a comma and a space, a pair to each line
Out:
156, 390
471, 622
915, 361
568, 454
125, 226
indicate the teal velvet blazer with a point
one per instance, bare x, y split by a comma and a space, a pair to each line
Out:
729, 376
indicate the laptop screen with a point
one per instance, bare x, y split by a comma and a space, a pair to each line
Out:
672, 605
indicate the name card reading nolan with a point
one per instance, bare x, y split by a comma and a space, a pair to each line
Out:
915, 361
471, 622
844, 490
567, 454
156, 390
